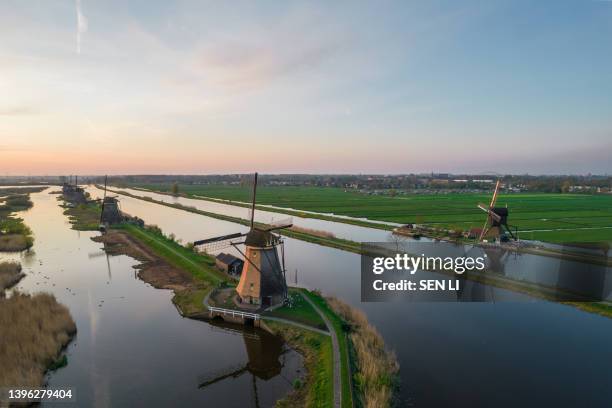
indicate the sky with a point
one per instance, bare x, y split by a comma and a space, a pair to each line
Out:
201, 87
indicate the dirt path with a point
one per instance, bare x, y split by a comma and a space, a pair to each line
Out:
337, 361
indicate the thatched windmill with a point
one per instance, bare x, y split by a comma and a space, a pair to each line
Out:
497, 218
262, 281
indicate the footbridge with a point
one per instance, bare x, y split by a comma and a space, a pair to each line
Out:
234, 315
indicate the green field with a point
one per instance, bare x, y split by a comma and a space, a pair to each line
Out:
548, 217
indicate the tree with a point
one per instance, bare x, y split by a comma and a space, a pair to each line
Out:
175, 188
565, 187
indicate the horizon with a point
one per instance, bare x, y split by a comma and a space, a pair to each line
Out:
421, 173
312, 88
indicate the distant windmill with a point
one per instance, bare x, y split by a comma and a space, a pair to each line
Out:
497, 218
263, 281
109, 213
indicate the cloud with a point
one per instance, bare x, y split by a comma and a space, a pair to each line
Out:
241, 64
17, 111
82, 26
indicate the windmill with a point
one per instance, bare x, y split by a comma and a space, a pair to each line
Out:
497, 217
263, 280
109, 213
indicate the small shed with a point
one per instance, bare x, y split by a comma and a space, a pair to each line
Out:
228, 263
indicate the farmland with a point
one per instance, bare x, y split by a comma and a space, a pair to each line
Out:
547, 217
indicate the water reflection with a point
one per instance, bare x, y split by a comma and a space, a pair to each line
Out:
132, 347
267, 355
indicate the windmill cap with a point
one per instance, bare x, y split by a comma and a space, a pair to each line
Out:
258, 238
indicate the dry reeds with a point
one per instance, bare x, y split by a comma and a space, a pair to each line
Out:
10, 274
376, 366
14, 242
34, 329
311, 231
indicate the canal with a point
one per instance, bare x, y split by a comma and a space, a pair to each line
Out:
132, 347
522, 353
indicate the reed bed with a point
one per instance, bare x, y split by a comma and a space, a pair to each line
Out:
34, 330
311, 231
10, 274
376, 368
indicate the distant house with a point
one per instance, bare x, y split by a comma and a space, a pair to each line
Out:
228, 263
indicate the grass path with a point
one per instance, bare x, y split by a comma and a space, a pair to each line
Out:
152, 240
337, 355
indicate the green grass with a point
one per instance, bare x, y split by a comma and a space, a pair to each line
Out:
84, 217
198, 265
318, 391
14, 234
528, 211
300, 311
339, 327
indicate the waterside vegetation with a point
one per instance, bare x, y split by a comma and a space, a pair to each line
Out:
35, 330
14, 234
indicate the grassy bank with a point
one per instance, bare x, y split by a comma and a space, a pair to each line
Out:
340, 328
317, 389
14, 234
35, 328
315, 238
10, 275
375, 368
200, 266
84, 217
298, 310
542, 216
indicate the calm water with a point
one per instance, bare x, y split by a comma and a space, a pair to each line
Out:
528, 353
346, 231
132, 346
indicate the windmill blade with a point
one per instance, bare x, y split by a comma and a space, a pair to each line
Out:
219, 238
491, 213
252, 213
483, 208
277, 227
494, 198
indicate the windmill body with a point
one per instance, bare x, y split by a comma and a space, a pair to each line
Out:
110, 212
262, 281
